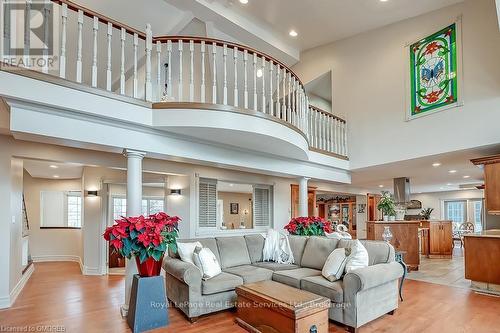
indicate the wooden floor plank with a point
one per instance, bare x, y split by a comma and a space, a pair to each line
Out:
57, 294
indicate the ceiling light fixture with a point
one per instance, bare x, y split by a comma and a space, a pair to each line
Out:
54, 166
244, 1
259, 72
449, 184
466, 177
436, 164
452, 171
384, 0
381, 186
293, 33
56, 176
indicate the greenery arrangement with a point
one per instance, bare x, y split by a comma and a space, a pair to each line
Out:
309, 226
426, 213
387, 205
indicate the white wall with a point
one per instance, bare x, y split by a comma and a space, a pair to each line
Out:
50, 244
319, 102
368, 75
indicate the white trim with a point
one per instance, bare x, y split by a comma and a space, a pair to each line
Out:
53, 258
7, 302
91, 271
460, 80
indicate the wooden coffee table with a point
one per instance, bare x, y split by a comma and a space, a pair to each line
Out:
269, 306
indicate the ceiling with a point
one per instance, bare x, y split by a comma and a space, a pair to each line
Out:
423, 176
50, 170
323, 21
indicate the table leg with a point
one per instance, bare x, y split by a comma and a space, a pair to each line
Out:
405, 270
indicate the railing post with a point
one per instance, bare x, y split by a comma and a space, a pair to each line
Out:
191, 70
224, 65
79, 47
245, 70
123, 37
149, 47
289, 92
345, 139
263, 84
64, 22
159, 87
169, 69
271, 77
214, 73
202, 88
108, 68
255, 81
278, 99
135, 88
284, 108
94, 55
235, 62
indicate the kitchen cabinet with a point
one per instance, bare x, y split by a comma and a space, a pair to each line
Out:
491, 167
440, 239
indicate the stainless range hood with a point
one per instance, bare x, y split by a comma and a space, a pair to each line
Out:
402, 190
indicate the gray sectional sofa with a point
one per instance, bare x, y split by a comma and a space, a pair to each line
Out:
361, 296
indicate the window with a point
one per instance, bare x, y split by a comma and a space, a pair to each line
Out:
207, 203
456, 211
119, 208
478, 212
74, 207
262, 204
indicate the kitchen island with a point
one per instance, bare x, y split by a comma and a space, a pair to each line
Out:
431, 237
482, 260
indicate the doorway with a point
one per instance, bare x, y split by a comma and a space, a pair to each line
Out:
339, 208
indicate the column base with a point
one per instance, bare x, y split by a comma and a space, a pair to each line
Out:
124, 310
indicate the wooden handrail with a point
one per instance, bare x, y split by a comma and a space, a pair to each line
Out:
220, 42
326, 113
102, 18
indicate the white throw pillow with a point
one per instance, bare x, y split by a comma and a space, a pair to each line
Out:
358, 257
186, 251
335, 264
206, 261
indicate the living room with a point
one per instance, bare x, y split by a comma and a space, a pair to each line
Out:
249, 165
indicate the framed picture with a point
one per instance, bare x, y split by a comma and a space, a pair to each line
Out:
234, 208
434, 76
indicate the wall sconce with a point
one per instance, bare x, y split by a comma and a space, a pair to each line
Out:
93, 193
175, 192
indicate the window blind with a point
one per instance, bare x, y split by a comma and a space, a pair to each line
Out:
262, 211
207, 203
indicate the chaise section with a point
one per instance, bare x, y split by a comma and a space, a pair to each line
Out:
222, 282
274, 266
294, 276
250, 274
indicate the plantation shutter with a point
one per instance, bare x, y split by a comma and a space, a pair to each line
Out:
262, 207
207, 203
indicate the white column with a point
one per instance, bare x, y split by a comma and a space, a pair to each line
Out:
303, 199
134, 204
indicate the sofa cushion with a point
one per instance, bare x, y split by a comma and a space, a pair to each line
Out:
292, 277
274, 266
297, 244
205, 242
222, 282
320, 286
316, 251
255, 245
378, 252
250, 274
233, 251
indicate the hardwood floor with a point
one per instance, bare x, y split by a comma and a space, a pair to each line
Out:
57, 294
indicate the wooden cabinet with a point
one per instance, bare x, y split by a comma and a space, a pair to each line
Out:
491, 166
440, 239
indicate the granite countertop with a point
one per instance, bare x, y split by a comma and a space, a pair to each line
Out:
493, 233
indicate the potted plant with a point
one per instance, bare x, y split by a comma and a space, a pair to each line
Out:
145, 238
426, 213
309, 226
387, 206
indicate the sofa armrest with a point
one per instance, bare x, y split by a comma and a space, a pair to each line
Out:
184, 271
372, 276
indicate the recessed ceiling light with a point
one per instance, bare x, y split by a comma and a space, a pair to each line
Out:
381, 186
231, 185
466, 177
244, 1
452, 171
54, 166
436, 164
449, 184
293, 33
384, 0
441, 188
259, 72
56, 176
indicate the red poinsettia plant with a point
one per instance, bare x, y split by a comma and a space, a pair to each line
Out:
309, 226
144, 236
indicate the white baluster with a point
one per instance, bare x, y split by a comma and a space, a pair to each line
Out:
245, 70
271, 77
169, 68
328, 134
202, 92
79, 48
278, 97
94, 55
263, 84
108, 68
289, 93
332, 134
159, 87
214, 73
255, 81
285, 113
235, 62
191, 71
27, 30
64, 22
339, 142
224, 65
323, 125
294, 110
46, 37
345, 139
181, 90
135, 79
123, 37
149, 48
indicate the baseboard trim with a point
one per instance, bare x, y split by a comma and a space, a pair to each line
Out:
91, 270
7, 302
47, 258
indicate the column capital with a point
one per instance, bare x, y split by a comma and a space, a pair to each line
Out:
305, 178
133, 153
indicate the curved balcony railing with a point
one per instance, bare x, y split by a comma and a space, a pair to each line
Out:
183, 69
